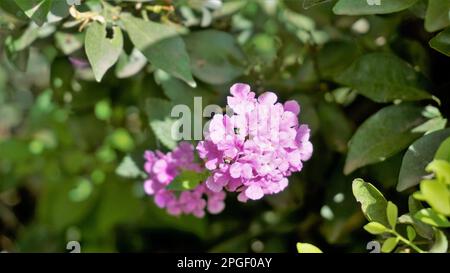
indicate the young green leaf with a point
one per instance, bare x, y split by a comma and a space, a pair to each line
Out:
102, 51
392, 214
433, 218
375, 228
443, 153
384, 78
162, 46
389, 245
437, 195
373, 203
441, 168
383, 135
419, 154
411, 232
187, 180
307, 248
363, 7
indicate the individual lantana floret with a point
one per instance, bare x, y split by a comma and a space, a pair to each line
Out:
255, 149
163, 168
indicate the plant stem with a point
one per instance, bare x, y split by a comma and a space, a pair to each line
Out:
407, 242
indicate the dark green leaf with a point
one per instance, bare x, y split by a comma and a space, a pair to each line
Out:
383, 135
442, 42
36, 10
384, 78
418, 156
362, 7
437, 16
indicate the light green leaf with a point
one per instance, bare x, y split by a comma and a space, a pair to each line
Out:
437, 16
437, 195
102, 51
68, 43
363, 7
441, 169
384, 78
389, 245
307, 248
36, 10
373, 203
383, 135
128, 168
187, 180
411, 232
158, 112
122, 140
431, 217
441, 42
440, 244
375, 228
418, 156
216, 58
443, 153
392, 214
162, 46
130, 65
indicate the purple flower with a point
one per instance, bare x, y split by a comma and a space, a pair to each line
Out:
254, 150
163, 168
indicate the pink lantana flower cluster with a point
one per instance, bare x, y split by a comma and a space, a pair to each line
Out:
255, 149
162, 170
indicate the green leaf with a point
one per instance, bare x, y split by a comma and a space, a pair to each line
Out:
384, 77
373, 203
162, 46
422, 229
418, 156
383, 135
411, 232
187, 180
431, 217
375, 228
128, 168
68, 43
441, 169
437, 195
389, 245
441, 42
443, 153
36, 10
122, 140
363, 7
392, 214
307, 248
130, 65
437, 16
216, 58
102, 51
158, 112
440, 244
